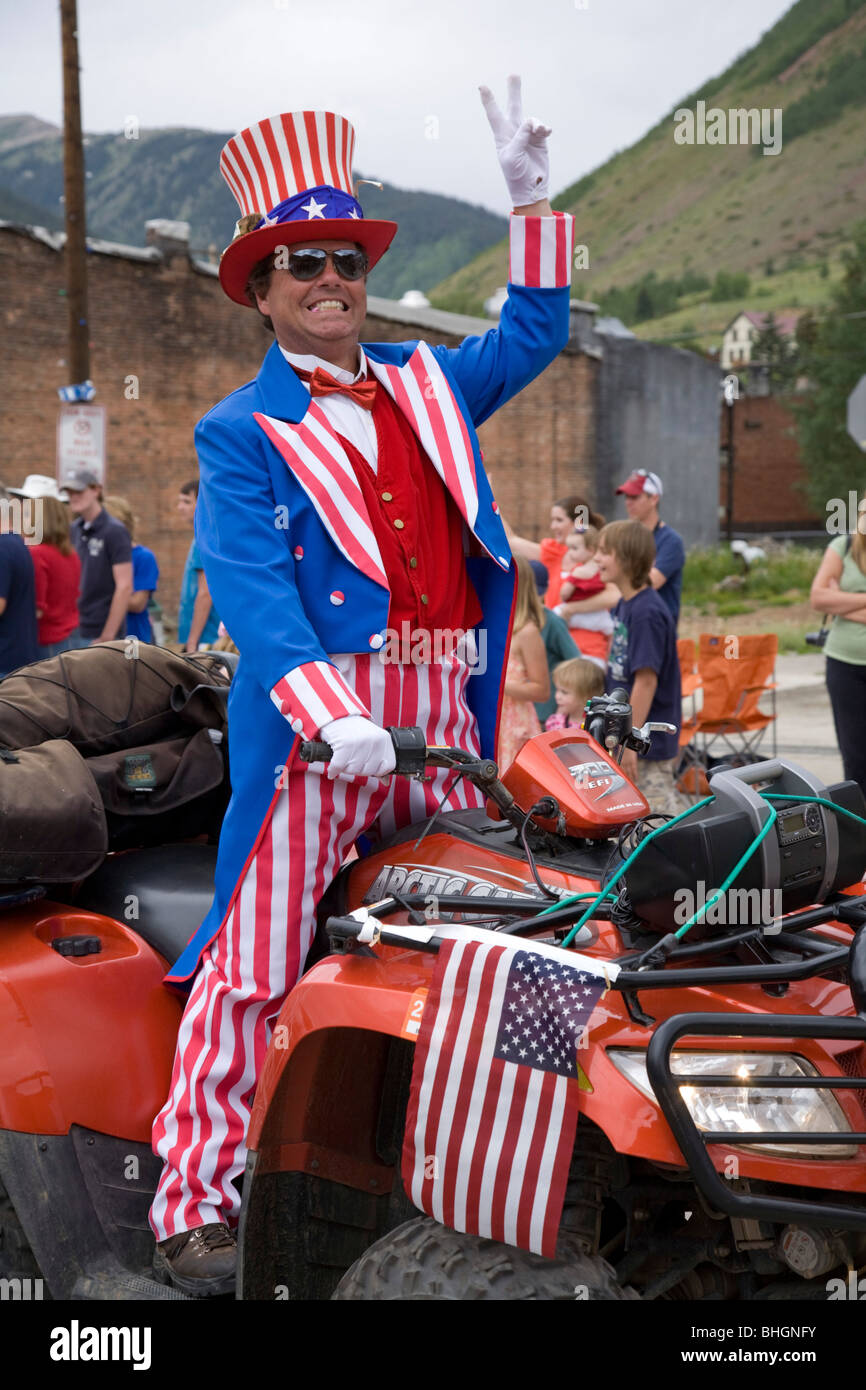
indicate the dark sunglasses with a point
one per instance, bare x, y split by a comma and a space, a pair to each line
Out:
307, 264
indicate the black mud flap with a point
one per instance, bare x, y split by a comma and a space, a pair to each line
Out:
82, 1199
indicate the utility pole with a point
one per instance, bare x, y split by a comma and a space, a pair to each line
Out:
729, 509
73, 187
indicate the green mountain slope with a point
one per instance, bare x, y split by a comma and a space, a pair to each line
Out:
14, 208
671, 208
173, 173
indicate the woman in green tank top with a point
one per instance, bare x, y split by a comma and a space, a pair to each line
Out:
839, 590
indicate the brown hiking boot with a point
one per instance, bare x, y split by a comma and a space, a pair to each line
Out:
200, 1262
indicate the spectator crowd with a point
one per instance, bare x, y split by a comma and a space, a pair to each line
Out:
74, 575
597, 609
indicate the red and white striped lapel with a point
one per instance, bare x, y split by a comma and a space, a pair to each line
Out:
313, 452
421, 391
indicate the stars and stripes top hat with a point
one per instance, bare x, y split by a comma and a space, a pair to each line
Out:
292, 178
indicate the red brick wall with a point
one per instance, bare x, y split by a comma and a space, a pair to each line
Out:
188, 345
767, 470
541, 445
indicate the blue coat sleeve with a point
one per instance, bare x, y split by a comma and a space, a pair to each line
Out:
493, 367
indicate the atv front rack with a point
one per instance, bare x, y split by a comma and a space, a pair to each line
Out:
817, 956
693, 1142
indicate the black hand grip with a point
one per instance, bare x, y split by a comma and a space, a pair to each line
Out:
314, 751
409, 747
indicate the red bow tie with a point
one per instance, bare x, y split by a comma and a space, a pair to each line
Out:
323, 384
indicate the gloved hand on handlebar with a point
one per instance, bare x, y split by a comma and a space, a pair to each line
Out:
361, 748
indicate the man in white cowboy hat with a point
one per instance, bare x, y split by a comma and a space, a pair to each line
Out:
342, 496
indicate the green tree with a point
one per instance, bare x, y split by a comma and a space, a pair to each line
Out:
807, 330
729, 285
778, 353
692, 282
644, 305
834, 359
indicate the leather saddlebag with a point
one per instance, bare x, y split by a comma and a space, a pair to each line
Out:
52, 822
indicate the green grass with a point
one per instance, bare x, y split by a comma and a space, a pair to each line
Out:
792, 641
783, 578
781, 581
703, 322
729, 608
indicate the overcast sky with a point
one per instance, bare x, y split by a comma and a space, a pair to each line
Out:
600, 72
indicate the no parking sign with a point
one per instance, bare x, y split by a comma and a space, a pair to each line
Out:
81, 440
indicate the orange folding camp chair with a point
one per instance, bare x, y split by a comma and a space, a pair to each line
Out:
691, 773
690, 679
736, 673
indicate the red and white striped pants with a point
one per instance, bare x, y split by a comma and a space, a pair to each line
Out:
259, 952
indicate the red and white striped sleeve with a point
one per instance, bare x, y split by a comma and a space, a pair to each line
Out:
312, 695
540, 252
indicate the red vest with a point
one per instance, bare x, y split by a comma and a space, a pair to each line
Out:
418, 528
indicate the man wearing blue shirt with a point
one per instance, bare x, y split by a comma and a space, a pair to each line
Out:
18, 638
197, 619
105, 553
642, 492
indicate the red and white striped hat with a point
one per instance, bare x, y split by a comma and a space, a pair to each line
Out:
293, 173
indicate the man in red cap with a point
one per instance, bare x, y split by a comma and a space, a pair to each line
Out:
643, 492
342, 498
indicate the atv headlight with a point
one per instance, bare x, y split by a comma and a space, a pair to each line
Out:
752, 1109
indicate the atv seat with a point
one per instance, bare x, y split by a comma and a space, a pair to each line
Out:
169, 887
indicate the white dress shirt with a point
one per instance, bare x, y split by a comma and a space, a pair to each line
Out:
343, 414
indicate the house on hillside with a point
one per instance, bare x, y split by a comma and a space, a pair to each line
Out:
740, 334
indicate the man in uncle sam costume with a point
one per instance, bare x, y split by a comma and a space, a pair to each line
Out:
342, 496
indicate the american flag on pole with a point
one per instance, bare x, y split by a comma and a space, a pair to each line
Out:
493, 1104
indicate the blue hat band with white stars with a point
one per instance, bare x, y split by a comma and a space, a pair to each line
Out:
314, 204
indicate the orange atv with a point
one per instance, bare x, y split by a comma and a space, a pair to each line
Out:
719, 1149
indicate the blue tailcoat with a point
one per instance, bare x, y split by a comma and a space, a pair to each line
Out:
254, 514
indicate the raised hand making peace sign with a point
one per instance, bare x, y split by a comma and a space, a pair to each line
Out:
521, 146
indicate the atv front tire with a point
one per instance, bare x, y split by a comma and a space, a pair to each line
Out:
422, 1260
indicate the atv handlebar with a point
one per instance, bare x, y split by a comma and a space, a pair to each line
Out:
608, 721
314, 751
412, 754
413, 757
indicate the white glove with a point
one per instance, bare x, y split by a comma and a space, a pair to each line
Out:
521, 146
361, 748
